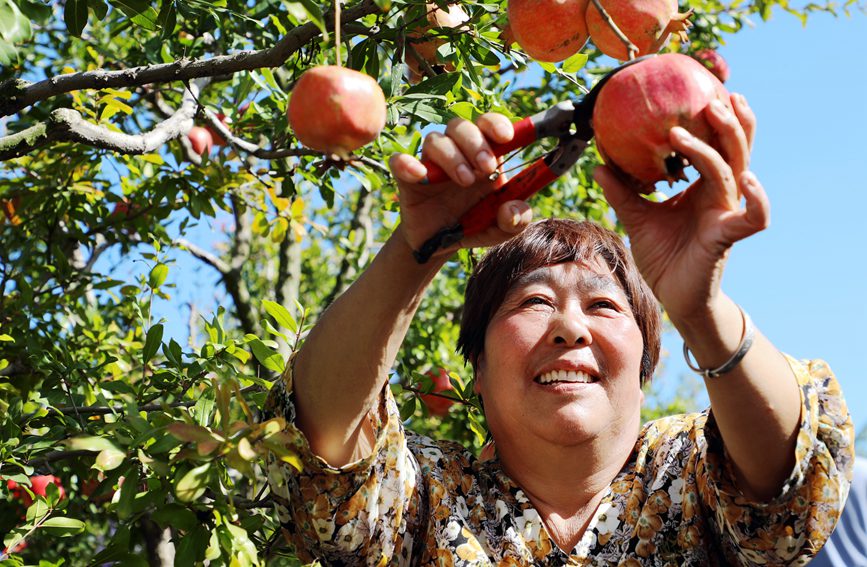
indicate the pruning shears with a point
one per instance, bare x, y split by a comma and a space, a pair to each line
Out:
570, 123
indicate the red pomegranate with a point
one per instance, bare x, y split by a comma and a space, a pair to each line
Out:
336, 110
438, 405
640, 104
200, 139
714, 63
549, 30
425, 44
38, 485
646, 23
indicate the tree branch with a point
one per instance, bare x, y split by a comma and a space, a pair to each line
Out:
17, 94
207, 257
66, 124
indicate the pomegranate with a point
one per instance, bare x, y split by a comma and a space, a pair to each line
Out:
438, 405
200, 139
336, 110
646, 23
38, 485
425, 44
638, 106
218, 139
714, 63
549, 30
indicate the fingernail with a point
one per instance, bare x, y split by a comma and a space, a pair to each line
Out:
681, 134
417, 169
503, 131
749, 178
516, 216
486, 161
465, 176
719, 108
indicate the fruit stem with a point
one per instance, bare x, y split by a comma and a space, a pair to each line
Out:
337, 31
631, 48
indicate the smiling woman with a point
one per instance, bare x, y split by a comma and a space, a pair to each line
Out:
561, 327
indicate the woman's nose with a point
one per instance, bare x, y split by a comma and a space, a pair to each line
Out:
570, 327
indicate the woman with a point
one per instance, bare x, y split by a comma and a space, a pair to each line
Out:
560, 350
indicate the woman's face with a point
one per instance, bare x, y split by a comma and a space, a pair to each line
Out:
562, 359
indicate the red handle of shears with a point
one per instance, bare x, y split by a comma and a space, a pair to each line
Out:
519, 188
525, 134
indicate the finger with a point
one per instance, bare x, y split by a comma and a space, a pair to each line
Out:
496, 127
755, 216
473, 144
625, 200
443, 151
746, 117
406, 168
732, 138
710, 164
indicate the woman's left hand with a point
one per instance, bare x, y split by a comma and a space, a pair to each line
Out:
681, 244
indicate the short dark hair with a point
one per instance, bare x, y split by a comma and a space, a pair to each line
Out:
546, 243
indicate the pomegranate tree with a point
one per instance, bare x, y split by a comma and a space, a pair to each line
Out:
336, 110
549, 30
641, 103
646, 23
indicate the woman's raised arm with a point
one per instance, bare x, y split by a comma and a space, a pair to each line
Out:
681, 246
342, 367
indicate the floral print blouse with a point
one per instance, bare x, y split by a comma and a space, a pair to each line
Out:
418, 501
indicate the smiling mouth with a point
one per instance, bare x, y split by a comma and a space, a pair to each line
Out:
564, 376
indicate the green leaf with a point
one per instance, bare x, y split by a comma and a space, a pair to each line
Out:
575, 63
75, 16
167, 19
158, 275
191, 548
311, 9
109, 459
176, 516
267, 357
90, 443
192, 485
140, 12
62, 527
152, 342
127, 494
280, 314
14, 26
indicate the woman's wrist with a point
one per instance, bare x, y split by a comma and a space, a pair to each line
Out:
714, 334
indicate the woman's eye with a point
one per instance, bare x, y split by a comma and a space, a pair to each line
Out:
604, 304
536, 301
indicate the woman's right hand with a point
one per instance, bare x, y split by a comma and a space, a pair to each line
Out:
464, 154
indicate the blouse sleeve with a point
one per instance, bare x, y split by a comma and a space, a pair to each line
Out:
792, 527
365, 512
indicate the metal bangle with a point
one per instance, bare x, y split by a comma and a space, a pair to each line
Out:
746, 343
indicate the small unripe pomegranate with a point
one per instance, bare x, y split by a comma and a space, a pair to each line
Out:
714, 63
200, 139
646, 23
438, 405
549, 30
425, 44
641, 103
336, 110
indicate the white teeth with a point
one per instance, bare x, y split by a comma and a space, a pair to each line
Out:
564, 376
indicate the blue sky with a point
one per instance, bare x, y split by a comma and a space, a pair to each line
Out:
804, 280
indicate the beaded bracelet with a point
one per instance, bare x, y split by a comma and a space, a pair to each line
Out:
746, 343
